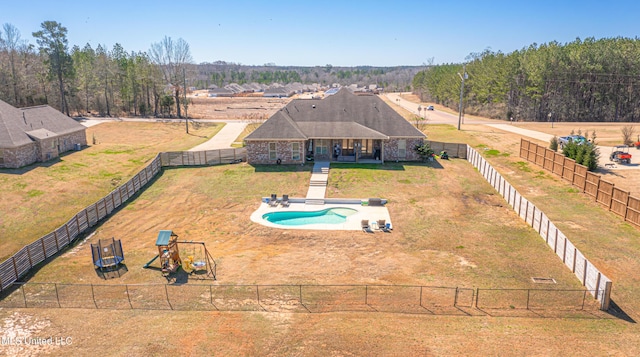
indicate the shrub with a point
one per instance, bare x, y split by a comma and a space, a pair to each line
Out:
586, 154
553, 143
425, 151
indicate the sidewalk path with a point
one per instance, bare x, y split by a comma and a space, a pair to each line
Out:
224, 138
318, 183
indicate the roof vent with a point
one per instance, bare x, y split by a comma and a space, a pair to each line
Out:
313, 106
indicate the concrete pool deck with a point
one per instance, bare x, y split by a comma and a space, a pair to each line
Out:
353, 222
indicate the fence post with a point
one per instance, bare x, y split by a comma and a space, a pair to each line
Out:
421, 295
93, 296
584, 273
573, 267
555, 242
24, 295
55, 236
528, 297
477, 296
598, 285
366, 295
166, 291
606, 296
44, 248
15, 266
128, 296
55, 285
455, 298
258, 293
300, 294
29, 255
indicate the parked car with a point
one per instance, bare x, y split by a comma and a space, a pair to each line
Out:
578, 139
430, 107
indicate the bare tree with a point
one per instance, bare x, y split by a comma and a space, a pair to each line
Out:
13, 44
172, 58
627, 134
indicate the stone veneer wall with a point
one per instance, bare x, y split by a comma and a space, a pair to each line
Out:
258, 152
391, 150
20, 156
37, 151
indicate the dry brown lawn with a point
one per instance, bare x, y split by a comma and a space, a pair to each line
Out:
450, 229
40, 198
247, 108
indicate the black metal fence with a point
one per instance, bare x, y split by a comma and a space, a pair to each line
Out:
298, 298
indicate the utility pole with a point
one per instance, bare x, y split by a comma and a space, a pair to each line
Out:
186, 117
463, 76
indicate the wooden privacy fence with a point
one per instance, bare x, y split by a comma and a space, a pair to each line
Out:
202, 158
35, 253
590, 277
453, 149
605, 193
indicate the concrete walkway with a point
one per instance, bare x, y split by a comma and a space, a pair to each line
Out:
223, 139
318, 183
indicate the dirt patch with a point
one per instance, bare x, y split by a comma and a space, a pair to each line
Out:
246, 108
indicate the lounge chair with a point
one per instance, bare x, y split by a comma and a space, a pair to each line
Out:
285, 201
382, 225
365, 226
273, 201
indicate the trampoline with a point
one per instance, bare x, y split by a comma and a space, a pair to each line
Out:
107, 253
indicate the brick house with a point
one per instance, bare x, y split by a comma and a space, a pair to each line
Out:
36, 134
342, 127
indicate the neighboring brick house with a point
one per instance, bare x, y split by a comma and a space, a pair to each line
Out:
36, 134
341, 127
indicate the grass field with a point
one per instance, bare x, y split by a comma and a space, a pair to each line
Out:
450, 229
39, 198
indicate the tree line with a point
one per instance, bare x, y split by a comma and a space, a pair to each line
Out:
220, 73
590, 80
112, 82
100, 81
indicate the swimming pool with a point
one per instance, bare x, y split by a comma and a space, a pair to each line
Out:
334, 215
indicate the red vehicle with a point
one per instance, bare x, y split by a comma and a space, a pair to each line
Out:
620, 154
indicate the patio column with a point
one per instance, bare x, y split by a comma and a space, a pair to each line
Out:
382, 151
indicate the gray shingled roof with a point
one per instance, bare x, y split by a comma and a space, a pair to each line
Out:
22, 126
340, 116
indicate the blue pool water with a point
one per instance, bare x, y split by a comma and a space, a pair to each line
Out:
298, 218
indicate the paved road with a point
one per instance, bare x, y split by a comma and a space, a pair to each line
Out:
439, 117
224, 138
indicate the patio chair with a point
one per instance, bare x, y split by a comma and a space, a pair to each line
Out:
285, 201
273, 201
365, 226
382, 225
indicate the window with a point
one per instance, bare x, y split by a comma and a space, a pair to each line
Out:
1, 157
272, 151
321, 147
295, 151
402, 148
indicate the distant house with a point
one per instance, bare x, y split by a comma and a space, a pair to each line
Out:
220, 92
341, 127
36, 134
277, 92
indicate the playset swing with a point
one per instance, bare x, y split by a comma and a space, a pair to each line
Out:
199, 263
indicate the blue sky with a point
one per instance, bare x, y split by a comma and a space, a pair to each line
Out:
341, 33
